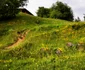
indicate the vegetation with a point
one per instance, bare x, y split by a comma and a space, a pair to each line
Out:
9, 8
58, 10
33, 43
61, 11
77, 20
43, 12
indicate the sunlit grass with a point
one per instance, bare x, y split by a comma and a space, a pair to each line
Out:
50, 44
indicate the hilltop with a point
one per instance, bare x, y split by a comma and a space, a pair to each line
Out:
34, 43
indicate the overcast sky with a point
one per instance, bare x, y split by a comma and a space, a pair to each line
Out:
78, 6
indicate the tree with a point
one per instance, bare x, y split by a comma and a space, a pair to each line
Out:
9, 8
84, 17
43, 12
58, 10
77, 20
61, 11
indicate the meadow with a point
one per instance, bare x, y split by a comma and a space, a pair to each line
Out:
33, 43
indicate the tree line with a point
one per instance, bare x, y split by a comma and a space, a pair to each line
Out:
58, 10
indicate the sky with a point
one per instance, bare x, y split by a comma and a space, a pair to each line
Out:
78, 6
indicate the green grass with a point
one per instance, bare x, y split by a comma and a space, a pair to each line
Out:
40, 48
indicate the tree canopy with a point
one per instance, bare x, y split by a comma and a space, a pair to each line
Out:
58, 10
61, 11
9, 8
43, 12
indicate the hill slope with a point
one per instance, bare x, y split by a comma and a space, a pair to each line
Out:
33, 43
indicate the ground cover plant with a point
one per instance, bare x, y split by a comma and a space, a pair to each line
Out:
33, 43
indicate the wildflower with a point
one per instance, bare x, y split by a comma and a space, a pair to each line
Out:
82, 40
0, 44
45, 48
66, 57
43, 45
57, 30
60, 49
6, 65
10, 60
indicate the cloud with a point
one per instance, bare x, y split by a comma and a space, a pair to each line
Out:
34, 4
76, 5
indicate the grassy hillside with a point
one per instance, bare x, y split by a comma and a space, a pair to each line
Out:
33, 43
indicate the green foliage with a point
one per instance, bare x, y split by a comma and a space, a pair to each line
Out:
43, 12
77, 20
61, 11
44, 46
9, 8
58, 10
55, 14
